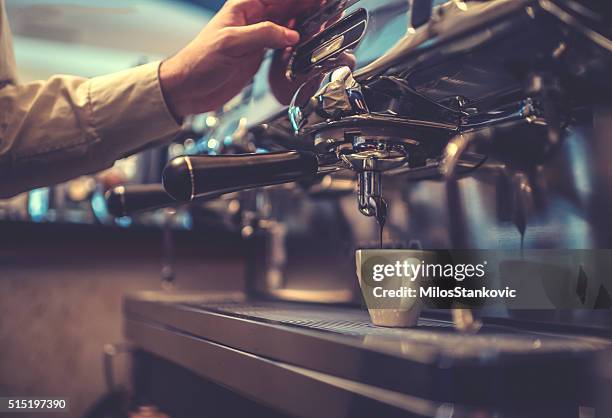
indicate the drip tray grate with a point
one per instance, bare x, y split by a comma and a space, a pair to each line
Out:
441, 334
339, 320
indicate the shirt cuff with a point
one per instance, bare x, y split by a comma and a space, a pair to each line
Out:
128, 110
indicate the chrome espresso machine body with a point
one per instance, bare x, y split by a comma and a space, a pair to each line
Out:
484, 121
406, 124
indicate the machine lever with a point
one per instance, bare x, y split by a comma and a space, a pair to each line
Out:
421, 12
193, 177
127, 200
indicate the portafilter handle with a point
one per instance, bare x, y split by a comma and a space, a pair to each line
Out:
128, 200
194, 177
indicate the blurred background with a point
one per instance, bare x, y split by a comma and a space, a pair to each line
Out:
90, 38
60, 296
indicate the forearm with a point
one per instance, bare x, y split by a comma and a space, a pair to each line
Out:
59, 129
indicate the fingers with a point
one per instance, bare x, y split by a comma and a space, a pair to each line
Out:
288, 9
273, 10
254, 38
283, 5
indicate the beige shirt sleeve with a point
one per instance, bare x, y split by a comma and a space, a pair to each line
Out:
55, 130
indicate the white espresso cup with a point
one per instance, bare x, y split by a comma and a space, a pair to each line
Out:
391, 311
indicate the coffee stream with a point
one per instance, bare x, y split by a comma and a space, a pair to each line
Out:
381, 217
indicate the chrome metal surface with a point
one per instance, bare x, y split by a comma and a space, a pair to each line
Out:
341, 342
339, 95
346, 321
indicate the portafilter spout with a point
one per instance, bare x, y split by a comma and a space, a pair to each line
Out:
370, 162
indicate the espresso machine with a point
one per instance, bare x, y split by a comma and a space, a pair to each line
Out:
410, 125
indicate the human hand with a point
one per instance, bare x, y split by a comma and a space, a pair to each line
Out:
226, 55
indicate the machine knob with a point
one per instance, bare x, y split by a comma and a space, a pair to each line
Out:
338, 95
127, 200
194, 177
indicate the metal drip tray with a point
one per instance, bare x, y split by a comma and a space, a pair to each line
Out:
501, 365
436, 335
347, 321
